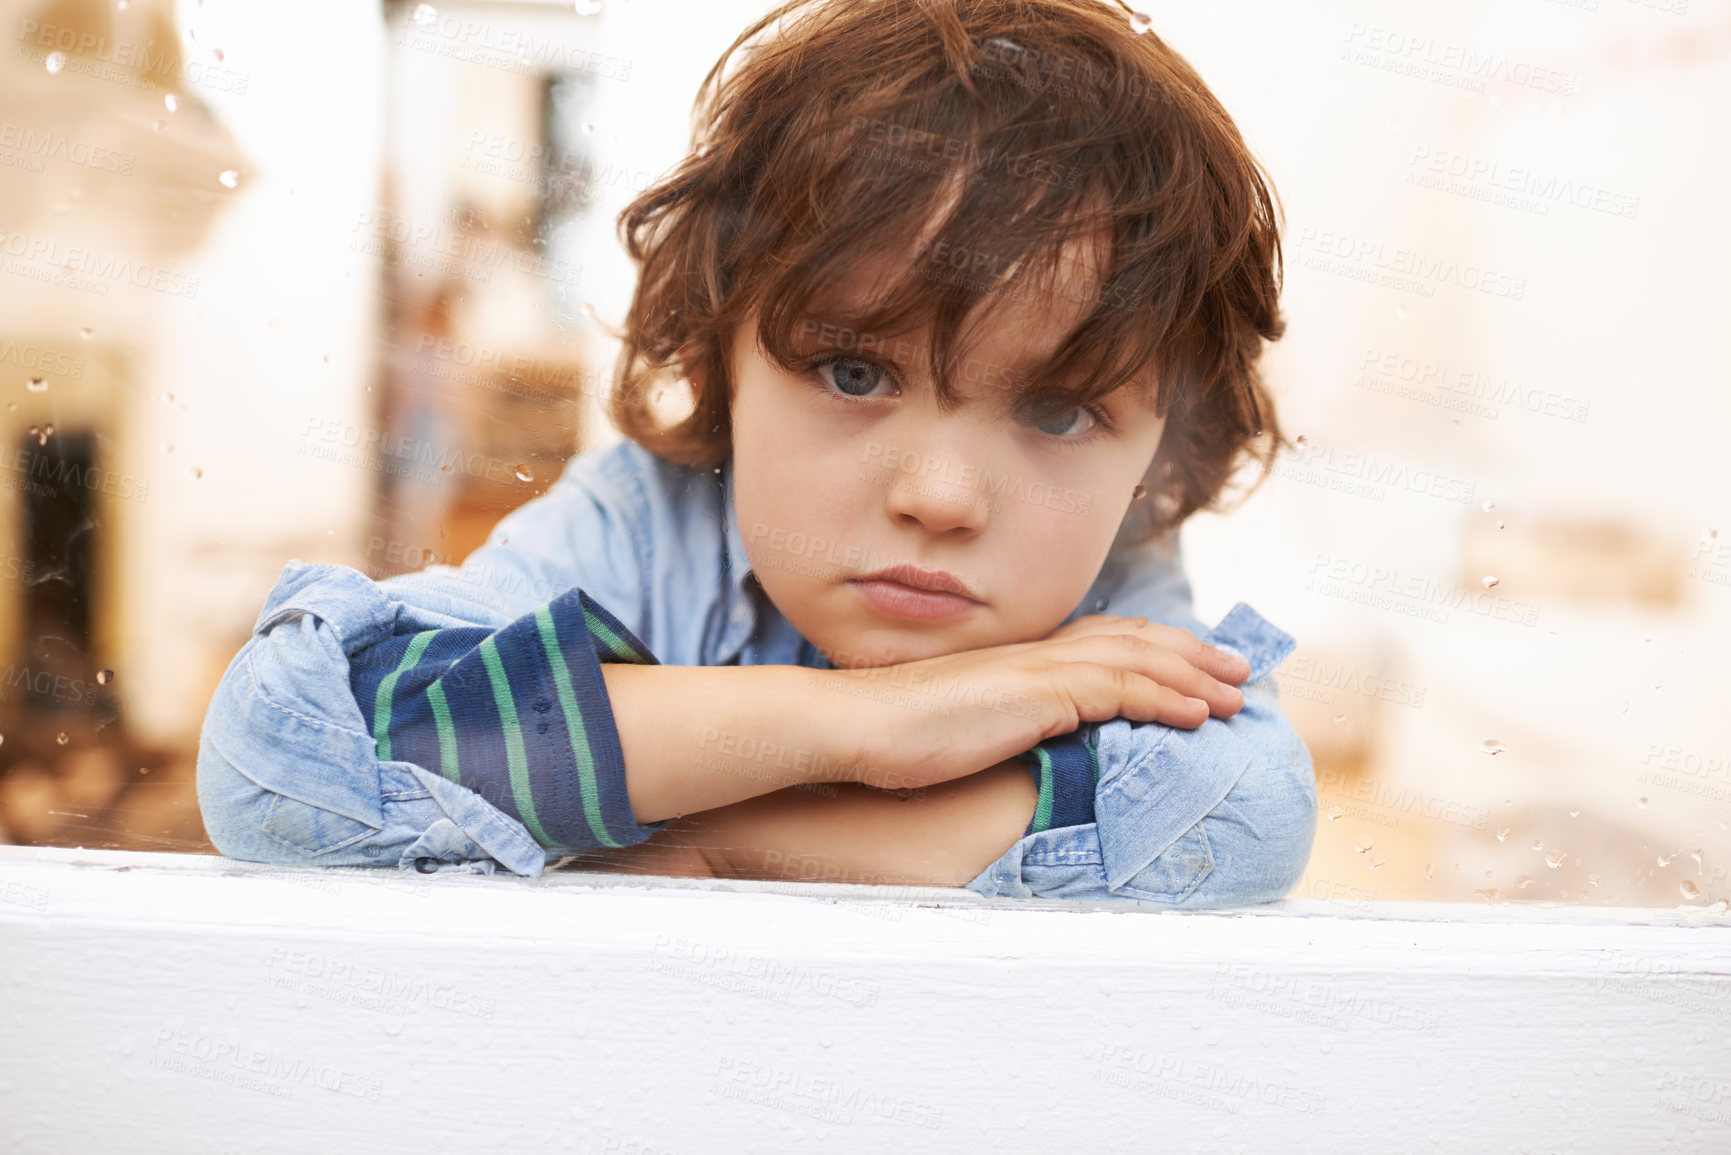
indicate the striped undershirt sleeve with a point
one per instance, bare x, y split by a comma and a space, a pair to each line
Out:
1066, 771
519, 715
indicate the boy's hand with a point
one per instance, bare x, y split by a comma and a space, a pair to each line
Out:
941, 718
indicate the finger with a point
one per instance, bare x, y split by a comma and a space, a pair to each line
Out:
1101, 693
1160, 664
1216, 662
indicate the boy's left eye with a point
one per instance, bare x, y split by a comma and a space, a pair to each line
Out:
1071, 424
851, 375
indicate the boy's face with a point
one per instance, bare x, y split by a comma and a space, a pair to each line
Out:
852, 468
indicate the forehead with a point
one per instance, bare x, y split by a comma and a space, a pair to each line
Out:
1019, 324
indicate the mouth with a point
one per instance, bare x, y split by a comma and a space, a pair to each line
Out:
906, 591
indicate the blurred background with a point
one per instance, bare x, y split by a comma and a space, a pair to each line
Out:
333, 281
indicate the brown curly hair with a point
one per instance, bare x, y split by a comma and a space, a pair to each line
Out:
992, 130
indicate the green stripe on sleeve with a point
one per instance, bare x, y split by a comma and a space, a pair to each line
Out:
447, 733
616, 646
515, 758
574, 728
1043, 809
388, 687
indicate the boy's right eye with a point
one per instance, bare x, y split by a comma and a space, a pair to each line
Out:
851, 375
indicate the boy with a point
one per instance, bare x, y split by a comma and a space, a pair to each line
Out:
968, 295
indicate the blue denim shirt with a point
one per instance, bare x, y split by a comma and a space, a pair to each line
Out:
288, 771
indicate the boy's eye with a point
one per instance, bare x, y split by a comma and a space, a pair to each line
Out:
1067, 423
851, 375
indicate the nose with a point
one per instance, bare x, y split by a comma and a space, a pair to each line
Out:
942, 497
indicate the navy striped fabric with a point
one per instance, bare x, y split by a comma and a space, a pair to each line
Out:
1066, 771
519, 715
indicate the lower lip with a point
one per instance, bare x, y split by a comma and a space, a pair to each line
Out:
902, 601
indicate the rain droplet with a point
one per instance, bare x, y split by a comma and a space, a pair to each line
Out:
1362, 845
1099, 605
1429, 868
1709, 533
1334, 813
1301, 441
1489, 582
588, 7
1489, 895
1574, 814
1700, 860
1491, 746
87, 332
36, 385
1555, 860
166, 399
1689, 890
1489, 505
425, 15
1140, 22
216, 55
195, 473
1340, 719
103, 677
229, 178
168, 447
171, 102
55, 62
1400, 311
524, 473
1522, 882
63, 737
1641, 802
1502, 833
1665, 859
1376, 863
1538, 845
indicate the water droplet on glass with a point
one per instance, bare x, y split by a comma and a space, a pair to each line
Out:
1641, 802
171, 102
1555, 860
1400, 311
1301, 441
1429, 868
1489, 505
63, 737
168, 447
55, 62
195, 473
1574, 814
157, 125
87, 332
1689, 890
1502, 833
1362, 845
1334, 813
588, 130
1700, 860
1538, 845
103, 677
1489, 582
36, 385
1491, 746
1340, 719
524, 473
1376, 863
1099, 605
1140, 22
229, 178
1522, 882
425, 15
1709, 533
1489, 895
588, 7
144, 769
1665, 859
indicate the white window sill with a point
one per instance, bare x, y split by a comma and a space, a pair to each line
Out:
171, 1002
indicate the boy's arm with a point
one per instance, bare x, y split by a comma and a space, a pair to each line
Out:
1222, 815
